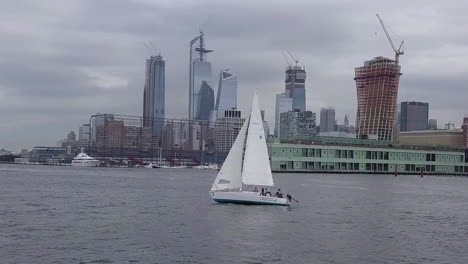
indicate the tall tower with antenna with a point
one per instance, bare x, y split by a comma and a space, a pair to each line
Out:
295, 84
199, 74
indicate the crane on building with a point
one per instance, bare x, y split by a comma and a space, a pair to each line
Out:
296, 60
286, 59
398, 51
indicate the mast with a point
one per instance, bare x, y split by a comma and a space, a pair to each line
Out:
191, 114
244, 144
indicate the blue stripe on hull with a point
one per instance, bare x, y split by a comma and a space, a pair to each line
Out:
247, 202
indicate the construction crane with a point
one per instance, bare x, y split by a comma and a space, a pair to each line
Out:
398, 51
296, 60
286, 59
152, 48
155, 51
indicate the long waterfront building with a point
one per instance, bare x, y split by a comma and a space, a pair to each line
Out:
328, 155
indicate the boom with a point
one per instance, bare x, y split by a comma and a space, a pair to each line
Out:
398, 51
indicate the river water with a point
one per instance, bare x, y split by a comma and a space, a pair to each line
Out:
118, 215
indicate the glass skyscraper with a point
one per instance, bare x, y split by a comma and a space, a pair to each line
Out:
295, 87
154, 95
414, 116
226, 98
283, 105
205, 102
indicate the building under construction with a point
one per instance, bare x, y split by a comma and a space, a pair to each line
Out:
377, 92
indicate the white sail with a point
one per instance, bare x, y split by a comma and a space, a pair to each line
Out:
229, 177
256, 170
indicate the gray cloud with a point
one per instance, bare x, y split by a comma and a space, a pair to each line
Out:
62, 61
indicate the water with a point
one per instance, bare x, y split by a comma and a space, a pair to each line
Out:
103, 215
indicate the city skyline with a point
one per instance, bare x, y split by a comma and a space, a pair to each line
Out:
80, 74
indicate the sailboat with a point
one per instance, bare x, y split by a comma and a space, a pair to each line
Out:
247, 166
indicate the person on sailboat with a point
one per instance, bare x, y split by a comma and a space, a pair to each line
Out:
279, 194
267, 192
262, 193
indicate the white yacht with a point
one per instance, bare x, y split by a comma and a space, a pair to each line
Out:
83, 160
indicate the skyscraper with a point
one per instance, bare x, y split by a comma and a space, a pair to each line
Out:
71, 136
295, 86
154, 95
199, 72
377, 90
414, 116
327, 119
283, 105
205, 102
432, 124
83, 132
266, 127
226, 98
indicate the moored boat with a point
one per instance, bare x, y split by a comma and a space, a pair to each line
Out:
83, 160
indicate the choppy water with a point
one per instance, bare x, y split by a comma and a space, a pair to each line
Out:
103, 215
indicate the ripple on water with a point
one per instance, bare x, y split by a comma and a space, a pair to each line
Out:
101, 261
107, 215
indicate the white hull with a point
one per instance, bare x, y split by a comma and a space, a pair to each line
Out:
88, 163
253, 198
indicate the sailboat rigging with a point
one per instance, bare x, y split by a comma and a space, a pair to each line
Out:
246, 166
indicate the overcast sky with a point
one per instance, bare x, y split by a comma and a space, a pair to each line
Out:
61, 61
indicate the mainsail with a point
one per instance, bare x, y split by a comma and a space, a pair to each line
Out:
229, 177
256, 170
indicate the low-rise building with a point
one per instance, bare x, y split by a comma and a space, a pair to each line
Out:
46, 154
342, 155
451, 137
